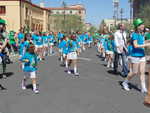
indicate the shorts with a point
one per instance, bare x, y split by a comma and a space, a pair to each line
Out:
38, 46
109, 52
60, 50
129, 59
30, 74
72, 56
45, 45
138, 59
51, 44
64, 55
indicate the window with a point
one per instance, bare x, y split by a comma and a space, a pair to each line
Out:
57, 12
2, 10
70, 12
80, 12
27, 12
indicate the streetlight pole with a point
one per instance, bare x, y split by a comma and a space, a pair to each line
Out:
64, 6
121, 14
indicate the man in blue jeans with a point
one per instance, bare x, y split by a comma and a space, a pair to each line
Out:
120, 50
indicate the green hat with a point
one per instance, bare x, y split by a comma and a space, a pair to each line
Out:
12, 33
138, 22
2, 21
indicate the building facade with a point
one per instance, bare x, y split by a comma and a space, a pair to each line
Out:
25, 14
111, 23
57, 15
22, 13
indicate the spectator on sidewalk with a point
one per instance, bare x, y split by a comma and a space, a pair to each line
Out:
120, 49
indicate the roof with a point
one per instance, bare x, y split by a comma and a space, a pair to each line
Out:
34, 5
72, 7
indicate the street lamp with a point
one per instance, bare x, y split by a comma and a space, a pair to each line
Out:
121, 14
64, 6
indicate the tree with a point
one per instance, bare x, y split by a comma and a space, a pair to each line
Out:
92, 29
73, 23
144, 13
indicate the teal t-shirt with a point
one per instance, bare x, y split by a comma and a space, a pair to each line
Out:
31, 65
138, 52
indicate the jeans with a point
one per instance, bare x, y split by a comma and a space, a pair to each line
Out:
123, 57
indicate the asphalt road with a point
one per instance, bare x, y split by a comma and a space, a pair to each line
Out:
95, 91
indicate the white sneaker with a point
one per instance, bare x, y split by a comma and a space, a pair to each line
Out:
112, 65
36, 91
76, 74
4, 76
69, 72
108, 65
126, 86
144, 90
24, 87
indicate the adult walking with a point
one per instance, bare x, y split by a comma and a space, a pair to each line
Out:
138, 61
120, 49
3, 46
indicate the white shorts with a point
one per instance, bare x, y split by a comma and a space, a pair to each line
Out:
30, 74
129, 59
72, 56
64, 55
51, 44
38, 46
60, 50
138, 59
109, 52
45, 45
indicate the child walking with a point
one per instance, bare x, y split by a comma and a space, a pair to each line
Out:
30, 68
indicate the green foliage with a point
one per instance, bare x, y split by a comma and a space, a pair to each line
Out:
144, 14
92, 29
68, 23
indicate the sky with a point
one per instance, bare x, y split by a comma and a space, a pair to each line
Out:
96, 10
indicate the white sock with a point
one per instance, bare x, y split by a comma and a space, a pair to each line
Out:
75, 69
34, 87
66, 64
61, 58
126, 81
143, 85
108, 64
50, 50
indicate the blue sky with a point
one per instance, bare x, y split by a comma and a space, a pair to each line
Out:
96, 10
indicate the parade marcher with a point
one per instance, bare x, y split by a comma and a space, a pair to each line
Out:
12, 42
110, 50
121, 50
4, 48
72, 55
63, 48
51, 42
30, 67
20, 35
90, 40
45, 43
38, 41
137, 56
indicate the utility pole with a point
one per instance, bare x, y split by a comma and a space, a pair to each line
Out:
131, 10
116, 10
121, 14
64, 6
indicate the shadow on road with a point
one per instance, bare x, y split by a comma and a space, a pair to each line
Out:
8, 74
131, 86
